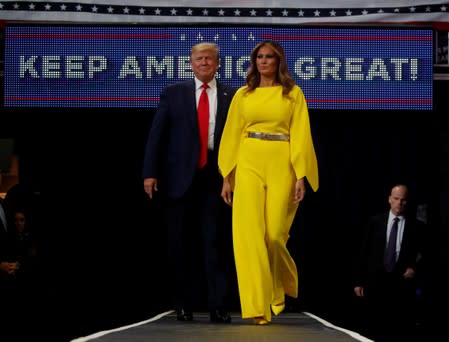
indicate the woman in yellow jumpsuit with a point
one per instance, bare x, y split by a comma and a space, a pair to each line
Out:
265, 154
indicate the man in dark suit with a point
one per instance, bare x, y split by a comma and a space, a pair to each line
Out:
388, 287
191, 182
8, 268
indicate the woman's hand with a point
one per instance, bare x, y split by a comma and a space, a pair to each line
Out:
300, 190
226, 191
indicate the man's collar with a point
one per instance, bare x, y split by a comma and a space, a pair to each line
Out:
212, 83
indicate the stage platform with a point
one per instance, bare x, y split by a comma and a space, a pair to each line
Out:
287, 327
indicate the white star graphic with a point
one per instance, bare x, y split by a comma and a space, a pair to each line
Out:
285, 13
173, 11
412, 9
427, 9
348, 12
205, 12
301, 13
142, 10
269, 13
31, 6
94, 9
237, 12
316, 13
63, 7
396, 10
157, 11
221, 12
126, 10
110, 9
189, 12
443, 8
47, 7
365, 12
79, 7
332, 13
253, 13
380, 10
16, 6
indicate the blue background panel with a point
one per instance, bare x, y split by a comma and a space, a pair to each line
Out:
115, 66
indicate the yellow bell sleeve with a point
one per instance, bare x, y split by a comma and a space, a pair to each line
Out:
232, 136
302, 152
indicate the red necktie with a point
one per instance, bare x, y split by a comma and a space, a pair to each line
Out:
203, 125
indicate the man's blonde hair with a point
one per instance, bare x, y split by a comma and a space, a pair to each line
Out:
205, 46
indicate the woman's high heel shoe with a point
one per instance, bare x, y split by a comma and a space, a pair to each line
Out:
278, 308
260, 321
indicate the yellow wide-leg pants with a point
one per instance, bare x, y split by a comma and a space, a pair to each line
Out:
263, 212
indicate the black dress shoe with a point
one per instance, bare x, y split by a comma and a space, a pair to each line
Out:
220, 316
184, 315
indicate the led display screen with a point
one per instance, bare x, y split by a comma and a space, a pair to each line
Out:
127, 66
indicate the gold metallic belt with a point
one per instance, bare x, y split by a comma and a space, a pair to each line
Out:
269, 136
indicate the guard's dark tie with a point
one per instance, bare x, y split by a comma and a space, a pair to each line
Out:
390, 252
203, 125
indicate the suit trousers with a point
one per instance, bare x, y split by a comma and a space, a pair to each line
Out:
199, 243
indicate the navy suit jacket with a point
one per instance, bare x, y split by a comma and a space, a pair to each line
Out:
172, 149
3, 237
370, 265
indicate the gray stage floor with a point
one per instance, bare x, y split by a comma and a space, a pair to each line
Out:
304, 327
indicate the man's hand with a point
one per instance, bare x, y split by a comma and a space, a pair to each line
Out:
358, 290
150, 186
9, 267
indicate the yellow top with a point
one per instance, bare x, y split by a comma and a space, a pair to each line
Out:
267, 110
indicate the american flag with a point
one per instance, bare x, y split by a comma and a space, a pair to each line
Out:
254, 12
